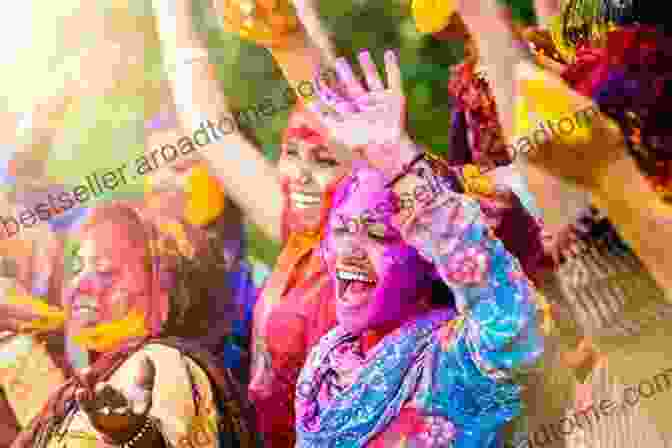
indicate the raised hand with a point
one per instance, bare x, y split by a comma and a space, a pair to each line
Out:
563, 244
119, 414
269, 23
371, 122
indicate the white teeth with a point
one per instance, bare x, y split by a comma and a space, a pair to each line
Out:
345, 275
305, 200
305, 204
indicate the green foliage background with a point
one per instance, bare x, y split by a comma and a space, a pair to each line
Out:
105, 131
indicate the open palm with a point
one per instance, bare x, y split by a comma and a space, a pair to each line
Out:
361, 118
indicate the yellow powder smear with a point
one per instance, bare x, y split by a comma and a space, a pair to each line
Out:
51, 318
206, 197
107, 336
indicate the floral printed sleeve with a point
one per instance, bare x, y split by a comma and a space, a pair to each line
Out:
497, 323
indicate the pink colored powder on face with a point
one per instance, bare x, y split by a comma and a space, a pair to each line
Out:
400, 273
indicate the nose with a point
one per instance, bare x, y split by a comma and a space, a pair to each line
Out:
353, 252
89, 284
304, 177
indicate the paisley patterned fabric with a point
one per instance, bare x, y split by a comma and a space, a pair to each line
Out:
449, 380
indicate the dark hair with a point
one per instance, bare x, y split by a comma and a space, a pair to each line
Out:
442, 295
201, 281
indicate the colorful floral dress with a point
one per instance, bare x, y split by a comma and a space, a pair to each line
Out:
440, 380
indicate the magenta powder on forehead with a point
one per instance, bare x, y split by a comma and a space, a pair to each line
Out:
404, 276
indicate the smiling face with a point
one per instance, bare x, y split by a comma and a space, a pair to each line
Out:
111, 277
379, 277
307, 168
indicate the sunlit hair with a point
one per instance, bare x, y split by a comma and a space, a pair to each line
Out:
125, 216
196, 281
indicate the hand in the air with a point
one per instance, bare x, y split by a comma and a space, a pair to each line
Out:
562, 245
119, 414
371, 122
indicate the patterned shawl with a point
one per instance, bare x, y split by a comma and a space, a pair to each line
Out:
237, 432
408, 364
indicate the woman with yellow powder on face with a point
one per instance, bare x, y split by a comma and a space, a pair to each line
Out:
132, 307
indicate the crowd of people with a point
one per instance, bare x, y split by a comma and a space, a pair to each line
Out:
473, 316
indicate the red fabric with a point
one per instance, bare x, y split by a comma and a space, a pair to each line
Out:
474, 97
295, 309
631, 80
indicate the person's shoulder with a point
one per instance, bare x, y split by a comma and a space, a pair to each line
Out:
161, 353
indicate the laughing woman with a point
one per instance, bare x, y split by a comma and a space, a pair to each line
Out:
128, 305
287, 202
394, 372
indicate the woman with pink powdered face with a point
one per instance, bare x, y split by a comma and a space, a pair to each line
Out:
397, 371
289, 202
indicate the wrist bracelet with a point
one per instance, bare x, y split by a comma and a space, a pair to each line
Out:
144, 429
405, 170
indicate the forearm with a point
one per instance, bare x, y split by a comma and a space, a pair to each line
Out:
198, 96
492, 292
301, 62
500, 57
560, 202
246, 175
640, 217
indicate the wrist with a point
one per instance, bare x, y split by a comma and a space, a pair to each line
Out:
293, 42
407, 152
132, 437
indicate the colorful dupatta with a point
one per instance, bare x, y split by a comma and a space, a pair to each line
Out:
411, 364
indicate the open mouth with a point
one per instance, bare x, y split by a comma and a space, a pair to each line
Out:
303, 200
354, 287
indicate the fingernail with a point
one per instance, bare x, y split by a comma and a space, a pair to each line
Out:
391, 55
366, 55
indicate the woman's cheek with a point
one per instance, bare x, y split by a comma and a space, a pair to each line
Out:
119, 303
394, 258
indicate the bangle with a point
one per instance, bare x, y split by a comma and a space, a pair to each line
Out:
405, 170
144, 429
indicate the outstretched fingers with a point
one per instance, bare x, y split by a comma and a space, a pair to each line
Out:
371, 74
352, 85
393, 70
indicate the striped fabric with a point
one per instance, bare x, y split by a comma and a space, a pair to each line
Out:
612, 299
624, 427
609, 293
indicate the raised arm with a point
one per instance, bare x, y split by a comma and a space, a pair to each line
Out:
494, 297
244, 172
449, 230
632, 206
246, 175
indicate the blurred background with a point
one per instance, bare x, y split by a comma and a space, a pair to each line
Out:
105, 56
